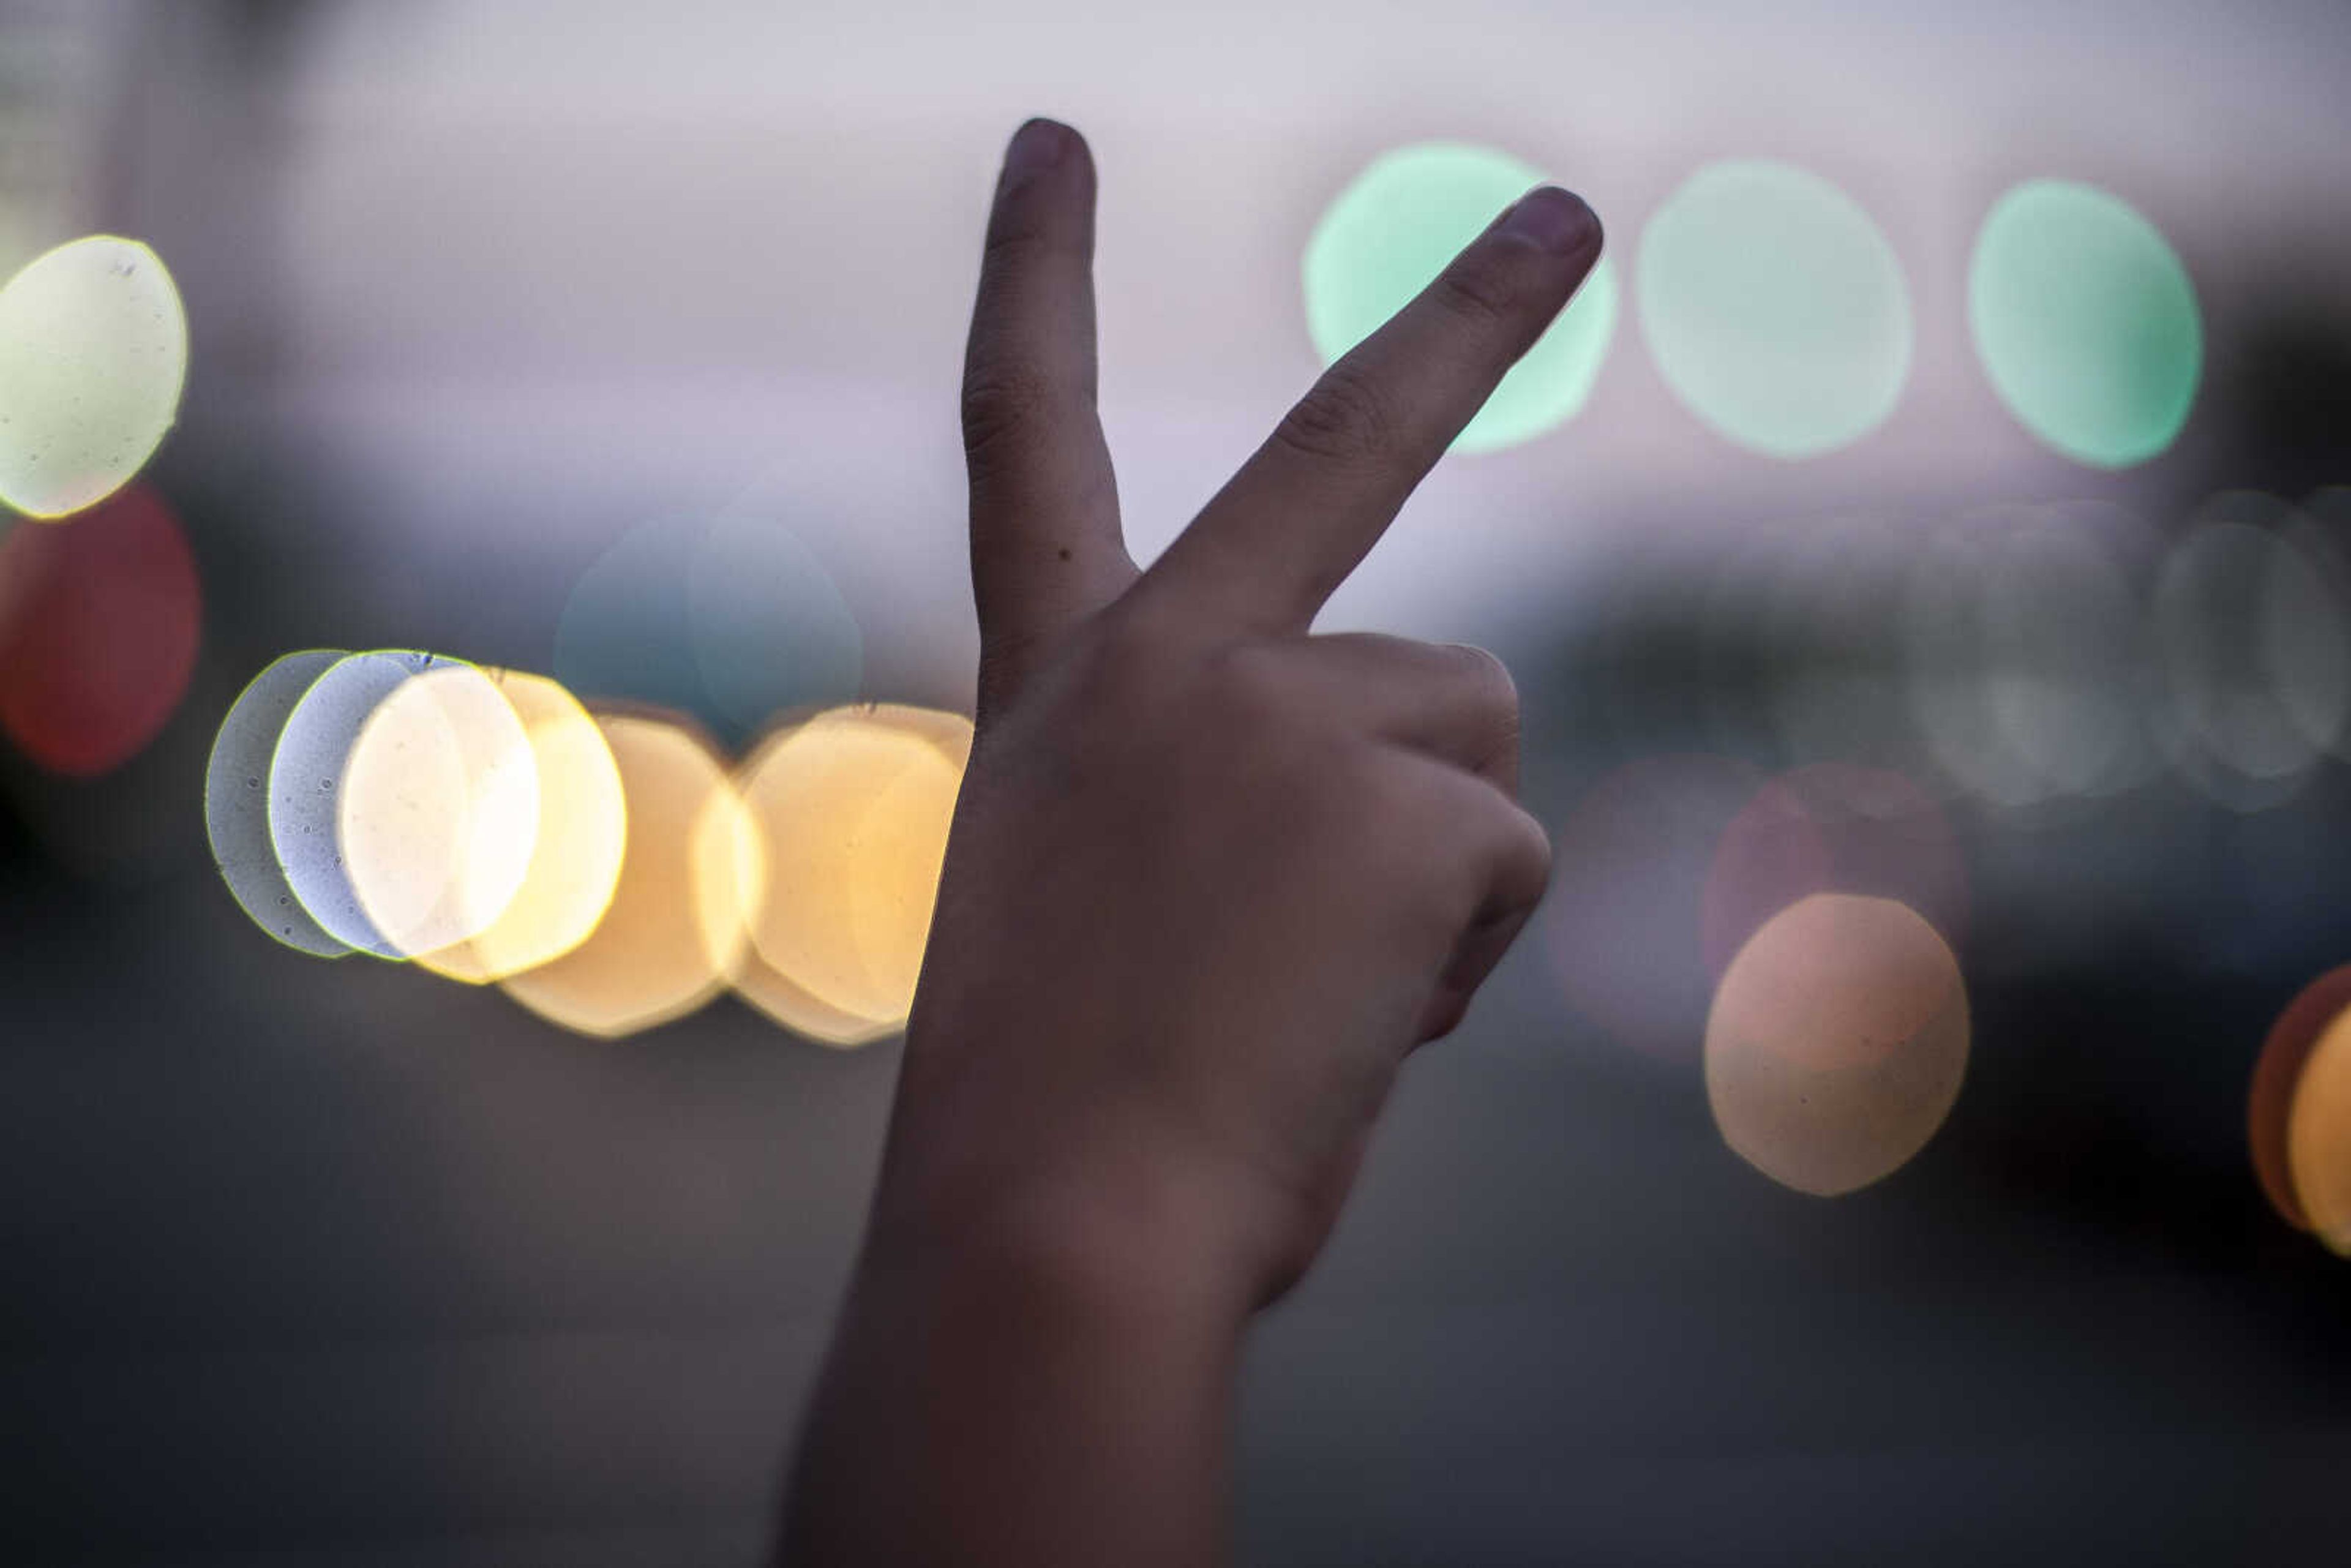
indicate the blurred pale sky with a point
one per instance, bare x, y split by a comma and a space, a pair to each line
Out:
552, 248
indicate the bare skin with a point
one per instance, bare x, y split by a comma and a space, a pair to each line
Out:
1211, 879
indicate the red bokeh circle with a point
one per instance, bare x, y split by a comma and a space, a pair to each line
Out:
99, 619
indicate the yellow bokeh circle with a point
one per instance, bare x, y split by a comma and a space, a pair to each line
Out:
672, 935
575, 863
853, 808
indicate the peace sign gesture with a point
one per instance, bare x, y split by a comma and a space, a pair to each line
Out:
1270, 548
1211, 878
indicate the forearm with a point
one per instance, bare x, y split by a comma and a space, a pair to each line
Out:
1033, 1390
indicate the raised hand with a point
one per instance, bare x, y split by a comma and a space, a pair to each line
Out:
1211, 878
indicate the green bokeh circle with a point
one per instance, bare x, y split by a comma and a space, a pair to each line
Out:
2085, 323
1775, 309
1392, 231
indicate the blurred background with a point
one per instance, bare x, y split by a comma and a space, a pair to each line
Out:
1920, 558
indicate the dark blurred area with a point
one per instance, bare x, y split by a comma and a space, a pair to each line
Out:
338, 1262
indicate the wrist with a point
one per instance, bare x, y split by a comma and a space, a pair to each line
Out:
1028, 1373
1152, 1245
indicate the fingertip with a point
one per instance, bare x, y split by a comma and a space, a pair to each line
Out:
1040, 146
1556, 220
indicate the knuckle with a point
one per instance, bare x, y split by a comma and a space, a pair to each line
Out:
1535, 856
1343, 418
1014, 235
1489, 681
1353, 803
998, 403
1445, 885
1519, 872
1405, 803
1476, 292
1489, 698
1490, 858
1504, 724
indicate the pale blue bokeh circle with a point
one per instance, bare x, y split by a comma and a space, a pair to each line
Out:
1775, 309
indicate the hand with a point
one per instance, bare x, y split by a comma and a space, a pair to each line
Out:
1211, 877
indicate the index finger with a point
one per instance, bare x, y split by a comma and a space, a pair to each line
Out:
1310, 504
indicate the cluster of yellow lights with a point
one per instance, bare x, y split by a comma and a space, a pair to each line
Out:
610, 872
2299, 1119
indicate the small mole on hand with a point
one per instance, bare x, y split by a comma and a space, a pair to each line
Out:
1065, 552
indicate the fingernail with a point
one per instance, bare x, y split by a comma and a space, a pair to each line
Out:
1036, 147
1554, 220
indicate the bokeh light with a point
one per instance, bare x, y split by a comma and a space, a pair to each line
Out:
673, 933
1621, 920
2086, 322
305, 783
2305, 631
2277, 1074
2318, 1138
575, 860
1730, 644
237, 801
1837, 1042
1833, 827
771, 631
1775, 307
1392, 231
2301, 638
1831, 619
2255, 647
98, 627
93, 352
773, 993
731, 619
854, 807
438, 810
2025, 654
